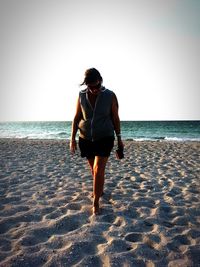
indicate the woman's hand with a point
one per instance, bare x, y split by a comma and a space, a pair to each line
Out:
120, 143
73, 146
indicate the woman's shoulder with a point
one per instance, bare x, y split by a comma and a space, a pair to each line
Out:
83, 91
107, 91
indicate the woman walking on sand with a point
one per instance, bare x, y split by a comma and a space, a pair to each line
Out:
96, 119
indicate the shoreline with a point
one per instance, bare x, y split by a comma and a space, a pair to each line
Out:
150, 210
124, 140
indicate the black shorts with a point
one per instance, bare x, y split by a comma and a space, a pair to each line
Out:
100, 147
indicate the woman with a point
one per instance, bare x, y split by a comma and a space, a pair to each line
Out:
97, 119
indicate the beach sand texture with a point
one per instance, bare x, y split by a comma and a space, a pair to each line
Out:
150, 212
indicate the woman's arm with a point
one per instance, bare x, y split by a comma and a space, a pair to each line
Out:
77, 118
116, 120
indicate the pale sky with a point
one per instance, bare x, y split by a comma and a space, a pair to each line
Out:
148, 52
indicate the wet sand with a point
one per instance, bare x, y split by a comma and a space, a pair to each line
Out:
150, 212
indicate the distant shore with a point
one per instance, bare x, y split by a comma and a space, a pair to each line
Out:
150, 212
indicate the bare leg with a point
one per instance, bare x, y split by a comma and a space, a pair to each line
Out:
91, 164
98, 182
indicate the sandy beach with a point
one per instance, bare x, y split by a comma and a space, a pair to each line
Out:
150, 212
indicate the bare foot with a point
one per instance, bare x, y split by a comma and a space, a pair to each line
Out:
96, 210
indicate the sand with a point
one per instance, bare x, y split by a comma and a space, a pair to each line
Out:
150, 212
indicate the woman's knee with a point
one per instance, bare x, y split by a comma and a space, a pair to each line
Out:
98, 169
99, 166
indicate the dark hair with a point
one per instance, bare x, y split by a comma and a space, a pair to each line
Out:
92, 75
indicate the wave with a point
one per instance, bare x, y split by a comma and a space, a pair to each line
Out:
160, 139
61, 133
184, 139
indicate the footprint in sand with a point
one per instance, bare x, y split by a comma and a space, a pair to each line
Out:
134, 237
74, 206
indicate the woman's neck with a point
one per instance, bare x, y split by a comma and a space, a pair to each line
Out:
92, 98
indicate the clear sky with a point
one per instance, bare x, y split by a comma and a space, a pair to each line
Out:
148, 53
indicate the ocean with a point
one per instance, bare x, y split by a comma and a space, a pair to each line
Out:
131, 130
